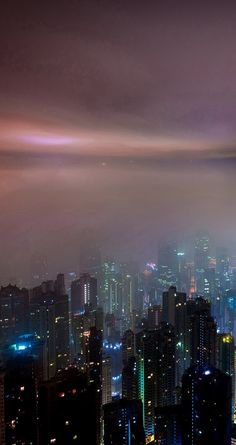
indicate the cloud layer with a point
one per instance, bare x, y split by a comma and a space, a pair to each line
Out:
118, 116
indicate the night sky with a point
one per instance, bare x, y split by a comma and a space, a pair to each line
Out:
117, 116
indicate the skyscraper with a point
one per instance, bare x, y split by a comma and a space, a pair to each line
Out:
123, 423
128, 346
202, 335
167, 266
94, 362
106, 380
84, 293
154, 316
14, 313
111, 286
62, 337
156, 371
201, 260
168, 425
222, 271
130, 379
59, 286
49, 319
42, 324
20, 388
175, 313
67, 410
225, 352
206, 402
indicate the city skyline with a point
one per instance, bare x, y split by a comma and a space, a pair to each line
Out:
117, 222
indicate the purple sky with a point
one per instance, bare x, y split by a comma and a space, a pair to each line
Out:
118, 116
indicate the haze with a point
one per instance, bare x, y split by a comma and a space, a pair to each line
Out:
117, 116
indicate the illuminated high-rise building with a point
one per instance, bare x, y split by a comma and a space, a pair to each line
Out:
130, 379
180, 325
202, 334
206, 404
62, 337
14, 313
154, 316
49, 319
175, 313
42, 325
127, 294
168, 425
225, 352
128, 346
106, 380
173, 302
123, 423
67, 410
156, 369
84, 293
94, 363
20, 391
110, 292
201, 261
223, 271
210, 284
81, 325
167, 266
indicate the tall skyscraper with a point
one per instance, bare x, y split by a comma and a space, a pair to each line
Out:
156, 369
202, 334
20, 388
223, 271
59, 286
111, 288
201, 260
173, 304
168, 425
209, 283
175, 313
167, 266
67, 410
62, 337
49, 319
123, 423
225, 352
130, 379
106, 380
128, 346
14, 313
42, 325
84, 293
154, 316
206, 402
94, 362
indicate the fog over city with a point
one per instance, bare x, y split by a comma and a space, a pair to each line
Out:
117, 117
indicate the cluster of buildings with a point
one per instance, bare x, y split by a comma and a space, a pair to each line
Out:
116, 356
